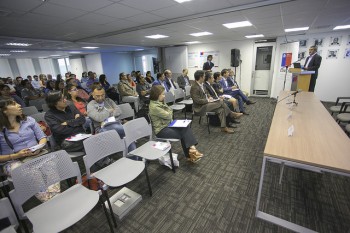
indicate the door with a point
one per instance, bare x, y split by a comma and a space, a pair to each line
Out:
263, 64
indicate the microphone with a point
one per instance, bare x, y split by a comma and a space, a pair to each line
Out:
296, 92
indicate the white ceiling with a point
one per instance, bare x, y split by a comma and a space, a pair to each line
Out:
62, 26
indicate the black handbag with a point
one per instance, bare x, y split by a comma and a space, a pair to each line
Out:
72, 146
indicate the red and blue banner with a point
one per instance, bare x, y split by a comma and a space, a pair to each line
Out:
286, 59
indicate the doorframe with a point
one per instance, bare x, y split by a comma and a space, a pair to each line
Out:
273, 55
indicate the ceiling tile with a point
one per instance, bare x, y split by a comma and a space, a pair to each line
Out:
58, 11
148, 5
20, 5
145, 18
119, 11
174, 11
95, 19
206, 5
86, 5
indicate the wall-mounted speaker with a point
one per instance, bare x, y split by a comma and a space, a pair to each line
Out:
235, 57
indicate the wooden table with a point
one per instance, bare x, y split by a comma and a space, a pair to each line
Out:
318, 144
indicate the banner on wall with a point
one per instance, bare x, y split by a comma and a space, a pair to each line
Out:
286, 59
197, 59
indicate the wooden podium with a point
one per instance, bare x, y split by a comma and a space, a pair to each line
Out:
301, 79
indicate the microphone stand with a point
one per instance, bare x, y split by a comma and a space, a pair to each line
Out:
294, 102
285, 78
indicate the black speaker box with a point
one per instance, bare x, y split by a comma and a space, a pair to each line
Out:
235, 57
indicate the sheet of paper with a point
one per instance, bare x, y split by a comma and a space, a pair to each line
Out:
161, 145
290, 131
180, 123
78, 137
37, 147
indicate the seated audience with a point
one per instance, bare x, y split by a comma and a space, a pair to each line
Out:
230, 102
5, 93
168, 80
149, 77
234, 91
63, 120
183, 80
81, 91
203, 102
127, 92
143, 89
110, 90
161, 81
50, 86
84, 77
214, 82
102, 109
92, 79
131, 80
18, 134
162, 115
29, 93
232, 81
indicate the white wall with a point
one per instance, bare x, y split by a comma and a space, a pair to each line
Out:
25, 67
5, 69
47, 66
94, 63
333, 76
76, 66
246, 49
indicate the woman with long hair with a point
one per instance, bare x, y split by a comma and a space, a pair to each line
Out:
149, 77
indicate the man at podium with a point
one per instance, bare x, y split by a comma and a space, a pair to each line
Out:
313, 62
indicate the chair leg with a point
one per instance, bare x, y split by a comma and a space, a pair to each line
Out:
110, 207
172, 160
147, 178
208, 124
106, 213
200, 119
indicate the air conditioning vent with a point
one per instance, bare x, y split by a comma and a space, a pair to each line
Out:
260, 92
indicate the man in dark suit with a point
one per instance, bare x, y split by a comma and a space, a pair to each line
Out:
208, 65
203, 102
183, 80
168, 79
161, 81
313, 63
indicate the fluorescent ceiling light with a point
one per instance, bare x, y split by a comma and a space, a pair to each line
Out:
139, 49
192, 42
18, 51
90, 47
19, 44
4, 54
55, 55
296, 29
254, 36
75, 52
201, 34
181, 1
156, 36
341, 27
238, 24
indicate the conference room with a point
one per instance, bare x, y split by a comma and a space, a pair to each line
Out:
285, 167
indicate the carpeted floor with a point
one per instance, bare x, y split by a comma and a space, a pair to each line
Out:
218, 194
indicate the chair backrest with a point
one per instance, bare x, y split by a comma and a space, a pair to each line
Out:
7, 211
38, 174
37, 103
179, 94
136, 129
28, 111
188, 91
169, 97
39, 116
101, 145
127, 111
45, 107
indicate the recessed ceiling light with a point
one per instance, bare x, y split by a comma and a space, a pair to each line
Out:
4, 54
18, 51
139, 49
19, 44
90, 47
296, 29
238, 24
341, 27
181, 1
201, 34
55, 55
254, 36
75, 52
156, 36
192, 42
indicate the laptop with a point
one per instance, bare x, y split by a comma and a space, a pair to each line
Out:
297, 65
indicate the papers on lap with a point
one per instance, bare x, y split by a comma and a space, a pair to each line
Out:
78, 137
179, 123
37, 147
161, 145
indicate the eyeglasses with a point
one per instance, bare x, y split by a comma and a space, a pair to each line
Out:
75, 89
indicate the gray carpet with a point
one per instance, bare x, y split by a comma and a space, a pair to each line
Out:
218, 194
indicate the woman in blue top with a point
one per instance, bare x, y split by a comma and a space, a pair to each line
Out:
18, 133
